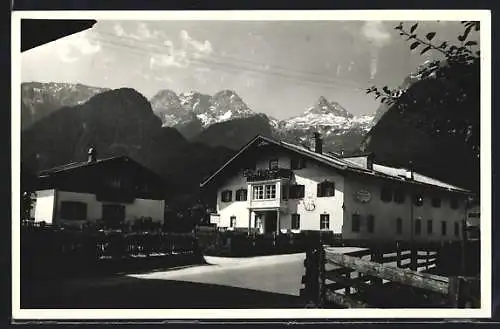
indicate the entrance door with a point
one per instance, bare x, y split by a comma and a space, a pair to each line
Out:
113, 214
271, 221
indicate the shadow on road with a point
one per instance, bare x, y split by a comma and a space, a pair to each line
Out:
134, 293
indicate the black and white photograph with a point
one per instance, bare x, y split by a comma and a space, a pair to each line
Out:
273, 164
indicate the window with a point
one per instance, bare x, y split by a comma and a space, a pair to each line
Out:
418, 226
436, 202
72, 210
443, 228
115, 182
457, 229
227, 196
297, 163
429, 226
232, 221
399, 196
324, 221
454, 203
296, 191
273, 164
399, 226
262, 192
356, 223
258, 192
113, 214
419, 200
241, 195
370, 221
326, 189
295, 221
270, 191
386, 194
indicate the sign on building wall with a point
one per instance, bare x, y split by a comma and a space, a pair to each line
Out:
309, 204
363, 196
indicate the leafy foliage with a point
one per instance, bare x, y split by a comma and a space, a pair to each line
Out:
446, 94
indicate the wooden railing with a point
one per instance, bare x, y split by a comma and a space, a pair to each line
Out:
370, 278
47, 251
267, 174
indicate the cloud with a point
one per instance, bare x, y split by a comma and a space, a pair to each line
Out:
72, 48
176, 59
163, 51
163, 79
118, 29
202, 47
145, 33
373, 66
376, 33
378, 36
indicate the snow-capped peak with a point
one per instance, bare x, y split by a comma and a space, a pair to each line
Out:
328, 117
223, 106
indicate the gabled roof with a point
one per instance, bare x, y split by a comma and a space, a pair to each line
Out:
344, 164
76, 165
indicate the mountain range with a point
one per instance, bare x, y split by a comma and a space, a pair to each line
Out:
193, 113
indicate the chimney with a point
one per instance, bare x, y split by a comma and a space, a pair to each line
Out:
318, 143
409, 171
92, 155
369, 161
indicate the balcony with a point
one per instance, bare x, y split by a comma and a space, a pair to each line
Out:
267, 174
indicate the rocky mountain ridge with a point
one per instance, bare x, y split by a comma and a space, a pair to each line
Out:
193, 113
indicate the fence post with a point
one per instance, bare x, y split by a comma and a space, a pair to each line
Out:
310, 278
398, 254
463, 245
427, 260
321, 276
457, 292
348, 289
414, 257
376, 256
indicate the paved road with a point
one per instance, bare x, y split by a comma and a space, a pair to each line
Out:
253, 282
256, 282
277, 274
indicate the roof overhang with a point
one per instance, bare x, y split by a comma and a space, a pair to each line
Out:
37, 32
338, 164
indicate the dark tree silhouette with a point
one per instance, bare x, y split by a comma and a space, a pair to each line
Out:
446, 94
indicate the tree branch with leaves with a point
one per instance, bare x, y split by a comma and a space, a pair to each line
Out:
444, 92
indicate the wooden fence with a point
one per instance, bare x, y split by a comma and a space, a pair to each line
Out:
47, 251
363, 277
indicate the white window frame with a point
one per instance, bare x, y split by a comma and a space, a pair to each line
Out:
321, 217
270, 191
264, 192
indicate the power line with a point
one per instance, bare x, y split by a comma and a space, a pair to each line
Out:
228, 68
272, 70
225, 66
237, 59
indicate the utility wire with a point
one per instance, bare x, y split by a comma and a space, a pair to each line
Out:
227, 65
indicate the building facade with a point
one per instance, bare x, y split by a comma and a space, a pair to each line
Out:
273, 186
113, 191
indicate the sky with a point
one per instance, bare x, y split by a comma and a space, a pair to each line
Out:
277, 67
